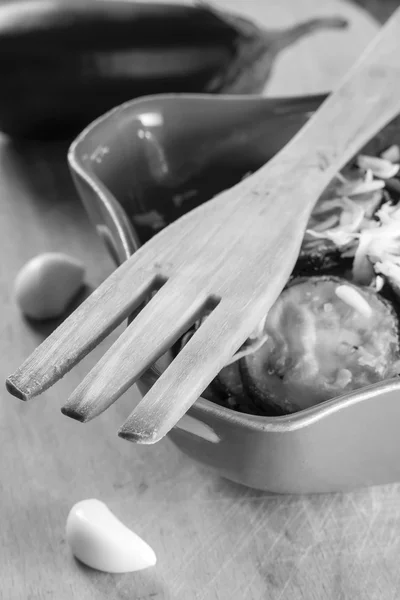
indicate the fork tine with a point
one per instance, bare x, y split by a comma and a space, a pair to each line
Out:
106, 308
160, 323
206, 353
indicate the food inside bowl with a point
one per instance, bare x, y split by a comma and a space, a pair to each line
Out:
335, 326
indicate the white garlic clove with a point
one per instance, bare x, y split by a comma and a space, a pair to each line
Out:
98, 539
46, 285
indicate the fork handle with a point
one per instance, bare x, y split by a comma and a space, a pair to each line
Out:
366, 100
348, 119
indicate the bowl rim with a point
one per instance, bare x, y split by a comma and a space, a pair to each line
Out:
283, 423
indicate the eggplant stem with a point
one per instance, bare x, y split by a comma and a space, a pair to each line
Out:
291, 35
256, 53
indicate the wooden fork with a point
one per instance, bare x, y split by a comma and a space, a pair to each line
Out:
233, 255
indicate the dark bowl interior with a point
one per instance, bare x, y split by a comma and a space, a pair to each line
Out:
164, 155
168, 154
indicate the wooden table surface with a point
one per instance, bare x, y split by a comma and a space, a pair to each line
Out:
214, 540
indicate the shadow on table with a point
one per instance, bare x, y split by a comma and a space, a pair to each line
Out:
44, 328
120, 585
41, 168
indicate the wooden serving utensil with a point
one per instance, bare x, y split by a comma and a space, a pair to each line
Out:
231, 256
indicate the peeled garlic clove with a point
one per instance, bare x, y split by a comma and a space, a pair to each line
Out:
98, 539
45, 286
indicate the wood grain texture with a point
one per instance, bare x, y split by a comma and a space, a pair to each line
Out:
214, 540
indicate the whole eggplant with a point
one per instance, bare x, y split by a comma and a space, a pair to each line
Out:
65, 62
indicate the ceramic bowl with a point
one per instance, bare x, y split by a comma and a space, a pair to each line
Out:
145, 163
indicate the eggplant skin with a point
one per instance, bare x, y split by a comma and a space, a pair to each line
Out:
64, 63
43, 26
319, 346
31, 107
322, 260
